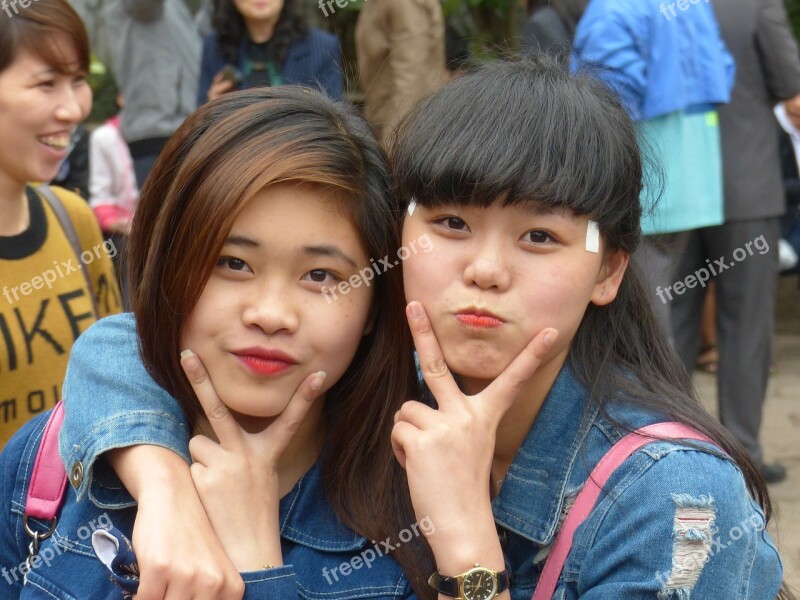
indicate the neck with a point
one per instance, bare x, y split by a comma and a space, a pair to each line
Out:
261, 31
14, 212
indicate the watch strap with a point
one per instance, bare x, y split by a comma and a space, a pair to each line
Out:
503, 581
449, 585
444, 585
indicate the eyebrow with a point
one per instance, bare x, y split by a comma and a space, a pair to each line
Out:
47, 72
543, 210
328, 250
240, 240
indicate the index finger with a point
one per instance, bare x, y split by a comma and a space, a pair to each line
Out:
431, 360
222, 422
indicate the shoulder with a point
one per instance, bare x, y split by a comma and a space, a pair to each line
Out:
210, 43
110, 342
17, 456
74, 204
81, 215
679, 518
211, 52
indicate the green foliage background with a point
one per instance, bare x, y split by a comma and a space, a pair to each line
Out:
793, 8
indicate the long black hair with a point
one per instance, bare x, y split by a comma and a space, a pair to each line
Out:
524, 130
230, 29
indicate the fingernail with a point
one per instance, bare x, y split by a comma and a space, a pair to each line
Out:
316, 384
189, 359
550, 337
415, 308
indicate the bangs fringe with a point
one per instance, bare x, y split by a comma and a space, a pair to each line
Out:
518, 132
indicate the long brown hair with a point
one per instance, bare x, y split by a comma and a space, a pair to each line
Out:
34, 28
218, 159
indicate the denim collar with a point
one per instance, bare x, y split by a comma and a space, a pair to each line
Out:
308, 519
530, 502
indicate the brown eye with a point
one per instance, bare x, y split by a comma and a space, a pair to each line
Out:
232, 264
537, 236
320, 276
452, 223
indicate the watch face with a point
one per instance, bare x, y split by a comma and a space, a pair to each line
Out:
479, 584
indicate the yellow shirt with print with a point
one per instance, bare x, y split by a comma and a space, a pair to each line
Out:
45, 304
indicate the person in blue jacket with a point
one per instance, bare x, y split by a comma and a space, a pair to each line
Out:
267, 43
670, 71
261, 203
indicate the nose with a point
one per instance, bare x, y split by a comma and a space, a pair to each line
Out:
488, 268
271, 309
74, 104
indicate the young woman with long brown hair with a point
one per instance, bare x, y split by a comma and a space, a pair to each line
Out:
262, 202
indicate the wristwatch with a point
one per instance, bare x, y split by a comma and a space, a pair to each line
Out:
479, 583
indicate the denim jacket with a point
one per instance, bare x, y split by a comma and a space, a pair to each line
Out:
674, 522
660, 60
323, 559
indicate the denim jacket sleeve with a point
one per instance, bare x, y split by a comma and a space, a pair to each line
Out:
677, 522
110, 402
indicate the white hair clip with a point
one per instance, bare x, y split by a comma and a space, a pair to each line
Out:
593, 237
412, 207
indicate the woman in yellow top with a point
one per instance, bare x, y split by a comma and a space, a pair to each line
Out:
46, 298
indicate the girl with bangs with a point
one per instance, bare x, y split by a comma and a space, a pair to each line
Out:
539, 352
288, 395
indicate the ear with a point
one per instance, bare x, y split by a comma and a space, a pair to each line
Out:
610, 277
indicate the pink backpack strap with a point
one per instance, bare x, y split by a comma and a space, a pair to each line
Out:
49, 477
587, 498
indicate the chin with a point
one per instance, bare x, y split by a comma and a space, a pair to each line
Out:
479, 372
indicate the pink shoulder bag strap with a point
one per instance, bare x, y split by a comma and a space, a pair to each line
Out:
48, 483
587, 498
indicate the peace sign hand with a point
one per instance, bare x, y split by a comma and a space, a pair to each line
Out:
237, 477
447, 453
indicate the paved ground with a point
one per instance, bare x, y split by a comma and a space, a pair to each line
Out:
781, 430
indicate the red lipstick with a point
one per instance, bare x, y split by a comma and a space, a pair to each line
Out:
264, 361
480, 319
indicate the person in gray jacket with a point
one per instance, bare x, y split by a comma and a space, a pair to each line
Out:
154, 48
742, 253
551, 26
